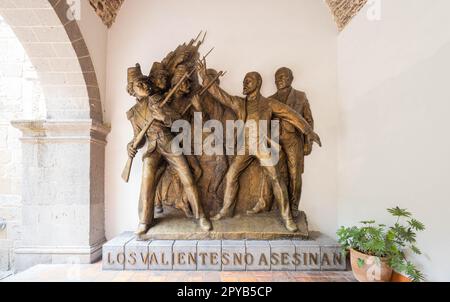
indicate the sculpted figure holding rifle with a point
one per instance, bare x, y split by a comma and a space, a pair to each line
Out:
151, 118
180, 179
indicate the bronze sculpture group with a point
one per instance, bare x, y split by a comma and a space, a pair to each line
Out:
203, 185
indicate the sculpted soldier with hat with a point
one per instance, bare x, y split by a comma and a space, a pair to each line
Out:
170, 190
149, 95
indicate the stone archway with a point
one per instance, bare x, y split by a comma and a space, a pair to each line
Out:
63, 154
59, 53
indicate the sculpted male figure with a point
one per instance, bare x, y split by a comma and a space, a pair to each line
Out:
170, 189
295, 145
159, 152
257, 108
211, 167
213, 110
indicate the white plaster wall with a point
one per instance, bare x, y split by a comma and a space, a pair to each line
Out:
393, 141
259, 35
95, 35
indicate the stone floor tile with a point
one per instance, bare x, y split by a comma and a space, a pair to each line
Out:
94, 272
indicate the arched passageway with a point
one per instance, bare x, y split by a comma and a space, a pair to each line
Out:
60, 199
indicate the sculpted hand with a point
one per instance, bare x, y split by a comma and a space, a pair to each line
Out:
196, 103
131, 151
168, 121
201, 67
314, 137
157, 113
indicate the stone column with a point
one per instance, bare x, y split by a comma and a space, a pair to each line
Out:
63, 192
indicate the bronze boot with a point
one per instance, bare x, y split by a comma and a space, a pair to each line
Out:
142, 229
159, 209
205, 224
290, 225
258, 208
220, 216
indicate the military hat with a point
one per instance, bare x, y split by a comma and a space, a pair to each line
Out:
134, 73
158, 68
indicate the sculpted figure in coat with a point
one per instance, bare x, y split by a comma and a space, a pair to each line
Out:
294, 143
257, 108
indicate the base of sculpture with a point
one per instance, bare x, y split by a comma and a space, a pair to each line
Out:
173, 225
319, 253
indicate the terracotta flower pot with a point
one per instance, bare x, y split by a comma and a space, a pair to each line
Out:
397, 277
369, 268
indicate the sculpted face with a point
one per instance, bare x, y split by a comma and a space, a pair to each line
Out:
283, 78
250, 84
185, 88
160, 82
141, 88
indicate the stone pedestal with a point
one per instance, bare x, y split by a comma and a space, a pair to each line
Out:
317, 253
173, 225
63, 192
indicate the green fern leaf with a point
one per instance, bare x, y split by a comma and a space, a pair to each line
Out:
397, 212
417, 225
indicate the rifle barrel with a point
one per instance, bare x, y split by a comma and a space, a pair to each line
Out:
204, 89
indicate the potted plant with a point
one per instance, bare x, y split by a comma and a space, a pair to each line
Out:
376, 250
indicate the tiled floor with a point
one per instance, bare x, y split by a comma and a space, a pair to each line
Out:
3, 275
93, 272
